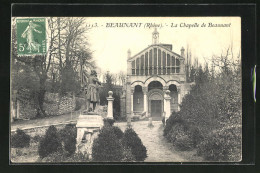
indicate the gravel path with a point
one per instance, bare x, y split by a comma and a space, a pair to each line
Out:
158, 149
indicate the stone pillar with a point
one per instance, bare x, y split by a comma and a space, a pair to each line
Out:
167, 106
110, 100
132, 100
123, 104
165, 88
179, 97
129, 68
145, 100
128, 96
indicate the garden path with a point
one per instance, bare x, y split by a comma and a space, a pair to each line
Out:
158, 149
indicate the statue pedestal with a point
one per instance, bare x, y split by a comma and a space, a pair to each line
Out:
88, 127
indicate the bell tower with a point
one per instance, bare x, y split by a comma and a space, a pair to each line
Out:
155, 36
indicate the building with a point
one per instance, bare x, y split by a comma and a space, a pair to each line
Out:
150, 73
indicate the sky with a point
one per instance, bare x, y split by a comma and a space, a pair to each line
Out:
110, 44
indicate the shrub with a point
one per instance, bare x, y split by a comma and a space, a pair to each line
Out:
107, 147
37, 138
121, 119
173, 119
223, 145
57, 157
50, 143
68, 137
118, 132
108, 121
128, 156
63, 157
20, 139
196, 136
181, 134
116, 114
176, 131
184, 143
132, 141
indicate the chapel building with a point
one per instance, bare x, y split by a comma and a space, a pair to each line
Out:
150, 73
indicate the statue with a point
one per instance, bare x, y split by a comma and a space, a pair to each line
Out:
92, 92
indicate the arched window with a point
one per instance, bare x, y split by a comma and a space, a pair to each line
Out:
177, 66
155, 60
150, 62
173, 65
138, 99
164, 63
168, 64
137, 66
159, 61
177, 62
142, 65
174, 97
146, 63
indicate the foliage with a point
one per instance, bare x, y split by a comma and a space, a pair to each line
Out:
180, 134
108, 121
210, 128
118, 132
58, 70
132, 141
184, 143
50, 143
222, 145
68, 136
79, 104
20, 139
109, 85
171, 121
107, 146
62, 156
128, 156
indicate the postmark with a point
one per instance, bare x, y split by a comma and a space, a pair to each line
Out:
31, 36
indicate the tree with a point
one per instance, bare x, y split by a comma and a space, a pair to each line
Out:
109, 85
51, 143
122, 78
59, 69
39, 65
107, 146
132, 141
218, 121
73, 53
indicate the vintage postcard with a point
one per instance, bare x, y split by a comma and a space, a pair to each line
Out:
125, 89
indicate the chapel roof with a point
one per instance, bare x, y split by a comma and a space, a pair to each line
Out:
162, 46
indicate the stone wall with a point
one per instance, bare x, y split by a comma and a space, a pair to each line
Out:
27, 109
53, 105
66, 104
40, 130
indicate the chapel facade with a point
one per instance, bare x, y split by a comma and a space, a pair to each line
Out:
150, 73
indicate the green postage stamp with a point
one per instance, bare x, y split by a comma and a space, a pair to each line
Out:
31, 36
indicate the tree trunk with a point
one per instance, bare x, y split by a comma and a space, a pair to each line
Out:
40, 98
